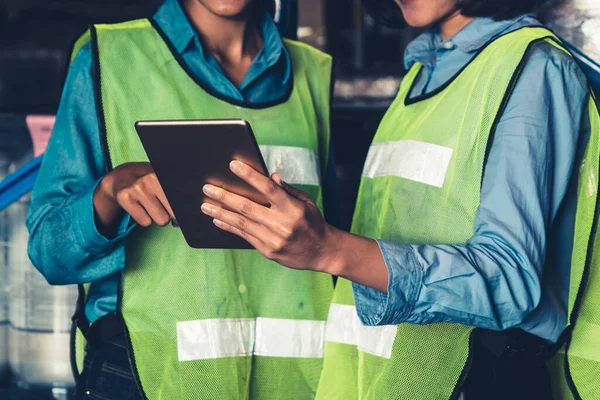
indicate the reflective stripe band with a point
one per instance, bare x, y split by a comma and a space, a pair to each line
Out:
297, 165
215, 338
417, 161
221, 338
343, 326
289, 338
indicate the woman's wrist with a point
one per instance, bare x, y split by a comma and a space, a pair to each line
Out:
332, 259
106, 207
355, 258
105, 189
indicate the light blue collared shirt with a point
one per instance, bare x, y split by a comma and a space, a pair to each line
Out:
514, 270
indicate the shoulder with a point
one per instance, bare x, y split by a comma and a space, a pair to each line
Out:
549, 99
550, 85
548, 64
82, 49
81, 58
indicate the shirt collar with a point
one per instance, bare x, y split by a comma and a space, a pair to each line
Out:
469, 39
174, 22
273, 44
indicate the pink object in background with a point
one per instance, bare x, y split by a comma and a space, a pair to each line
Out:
40, 128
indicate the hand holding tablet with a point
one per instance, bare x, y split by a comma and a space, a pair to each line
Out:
188, 154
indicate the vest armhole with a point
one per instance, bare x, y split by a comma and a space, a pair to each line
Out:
551, 39
507, 95
309, 56
330, 211
585, 274
97, 78
579, 300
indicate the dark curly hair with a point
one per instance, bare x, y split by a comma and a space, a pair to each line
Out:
388, 12
496, 9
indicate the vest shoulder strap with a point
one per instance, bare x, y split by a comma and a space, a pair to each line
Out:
297, 47
303, 55
123, 34
143, 23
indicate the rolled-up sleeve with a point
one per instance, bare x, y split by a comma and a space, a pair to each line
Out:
404, 281
494, 280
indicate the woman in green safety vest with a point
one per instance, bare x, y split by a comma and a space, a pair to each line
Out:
471, 258
162, 320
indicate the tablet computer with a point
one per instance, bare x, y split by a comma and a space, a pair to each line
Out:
188, 154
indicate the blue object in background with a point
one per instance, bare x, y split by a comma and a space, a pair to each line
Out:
19, 183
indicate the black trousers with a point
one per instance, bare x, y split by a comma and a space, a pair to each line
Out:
106, 373
506, 377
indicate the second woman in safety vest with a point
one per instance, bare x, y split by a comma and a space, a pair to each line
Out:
473, 220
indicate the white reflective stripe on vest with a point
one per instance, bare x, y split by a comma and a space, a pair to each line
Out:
343, 326
417, 161
289, 338
297, 165
241, 337
215, 338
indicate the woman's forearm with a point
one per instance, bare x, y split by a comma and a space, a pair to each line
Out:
355, 258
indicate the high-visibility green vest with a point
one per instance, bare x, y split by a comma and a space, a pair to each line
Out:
421, 184
215, 324
576, 367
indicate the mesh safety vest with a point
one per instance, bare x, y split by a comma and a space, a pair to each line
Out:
215, 324
421, 184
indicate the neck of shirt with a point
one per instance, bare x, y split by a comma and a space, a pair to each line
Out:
267, 78
442, 59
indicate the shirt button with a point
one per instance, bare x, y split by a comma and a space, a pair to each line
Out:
242, 288
448, 45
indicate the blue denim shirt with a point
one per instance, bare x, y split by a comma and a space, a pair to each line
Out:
514, 270
64, 244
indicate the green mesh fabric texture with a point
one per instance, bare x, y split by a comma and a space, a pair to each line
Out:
409, 205
165, 282
560, 388
584, 349
339, 379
